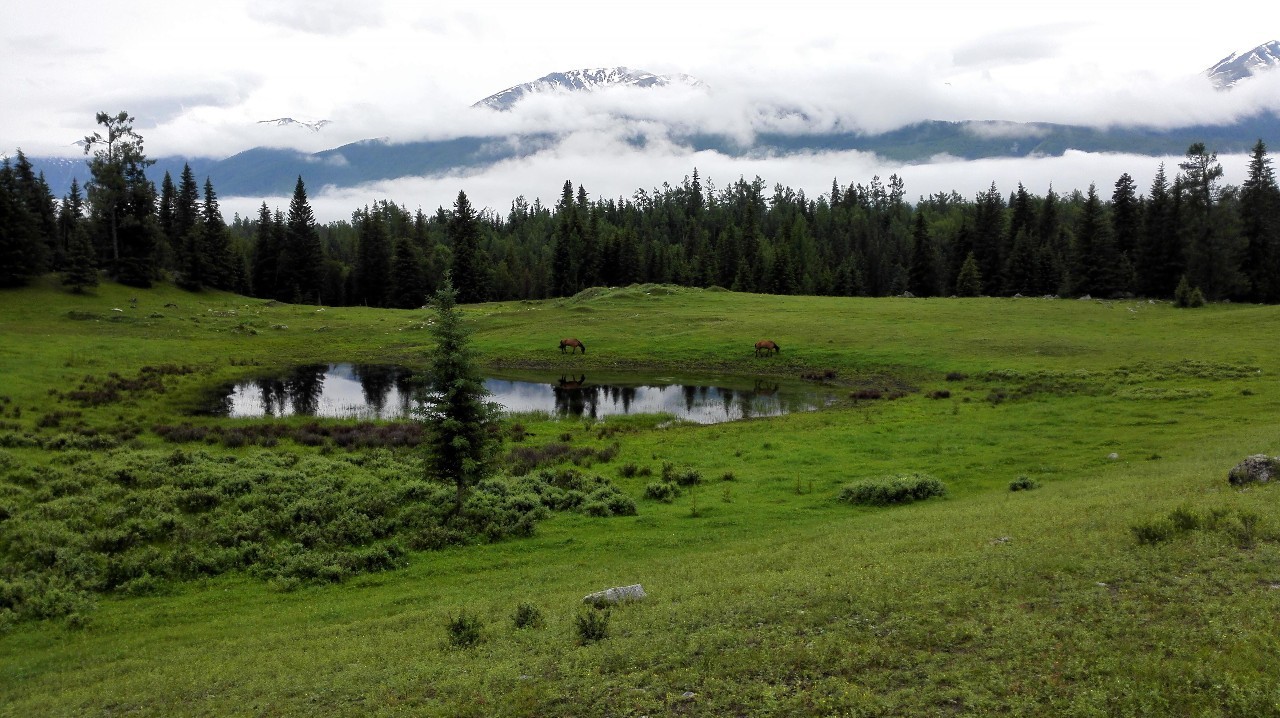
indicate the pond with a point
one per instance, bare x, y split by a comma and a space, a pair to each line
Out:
370, 391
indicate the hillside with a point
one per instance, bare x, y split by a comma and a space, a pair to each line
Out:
1134, 581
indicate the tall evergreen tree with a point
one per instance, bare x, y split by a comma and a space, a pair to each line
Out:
373, 258
1096, 266
408, 288
923, 279
1260, 225
1213, 249
1159, 257
302, 269
122, 199
223, 269
464, 235
21, 247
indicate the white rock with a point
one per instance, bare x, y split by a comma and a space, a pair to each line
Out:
615, 595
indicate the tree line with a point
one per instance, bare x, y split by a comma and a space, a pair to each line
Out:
1190, 229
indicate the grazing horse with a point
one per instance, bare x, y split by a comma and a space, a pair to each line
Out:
767, 346
572, 344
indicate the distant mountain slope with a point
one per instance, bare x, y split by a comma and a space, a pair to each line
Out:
263, 171
1235, 67
586, 80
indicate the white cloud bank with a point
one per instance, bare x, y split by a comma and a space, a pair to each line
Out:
613, 169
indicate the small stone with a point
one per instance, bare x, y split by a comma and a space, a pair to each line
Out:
1113, 456
688, 695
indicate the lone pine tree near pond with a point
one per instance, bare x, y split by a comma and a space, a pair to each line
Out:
460, 439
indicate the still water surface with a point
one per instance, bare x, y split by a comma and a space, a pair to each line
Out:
388, 392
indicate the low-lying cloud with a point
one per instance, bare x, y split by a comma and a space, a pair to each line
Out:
609, 167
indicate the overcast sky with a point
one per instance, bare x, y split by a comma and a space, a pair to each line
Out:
199, 76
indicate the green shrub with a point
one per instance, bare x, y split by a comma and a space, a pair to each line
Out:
592, 625
528, 616
1184, 519
1023, 483
464, 630
661, 491
1153, 532
900, 489
1187, 297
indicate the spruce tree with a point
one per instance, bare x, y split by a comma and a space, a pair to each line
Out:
459, 419
220, 262
1260, 220
408, 280
302, 270
1213, 251
969, 280
923, 277
373, 258
21, 248
464, 234
122, 199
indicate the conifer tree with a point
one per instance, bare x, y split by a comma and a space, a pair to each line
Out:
1260, 220
302, 269
1159, 261
21, 248
923, 279
373, 258
459, 417
969, 281
221, 266
122, 199
1213, 250
464, 233
408, 286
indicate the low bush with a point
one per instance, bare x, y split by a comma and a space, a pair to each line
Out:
1023, 483
592, 625
1153, 532
527, 616
900, 489
663, 491
463, 630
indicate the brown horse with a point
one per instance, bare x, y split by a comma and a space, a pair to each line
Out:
572, 344
767, 346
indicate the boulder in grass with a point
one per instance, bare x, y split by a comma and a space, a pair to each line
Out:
615, 595
1258, 468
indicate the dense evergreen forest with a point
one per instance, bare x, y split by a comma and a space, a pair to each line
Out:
1188, 231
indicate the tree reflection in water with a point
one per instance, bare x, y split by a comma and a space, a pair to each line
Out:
389, 392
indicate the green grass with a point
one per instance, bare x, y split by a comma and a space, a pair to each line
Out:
781, 600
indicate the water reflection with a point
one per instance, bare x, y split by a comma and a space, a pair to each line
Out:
388, 392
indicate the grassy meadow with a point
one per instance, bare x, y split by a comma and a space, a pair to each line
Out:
1132, 581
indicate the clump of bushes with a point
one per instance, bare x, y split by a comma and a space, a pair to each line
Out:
900, 489
1023, 483
523, 459
1244, 528
940, 394
134, 522
1186, 296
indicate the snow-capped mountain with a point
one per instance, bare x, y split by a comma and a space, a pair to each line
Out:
314, 126
584, 80
1235, 67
